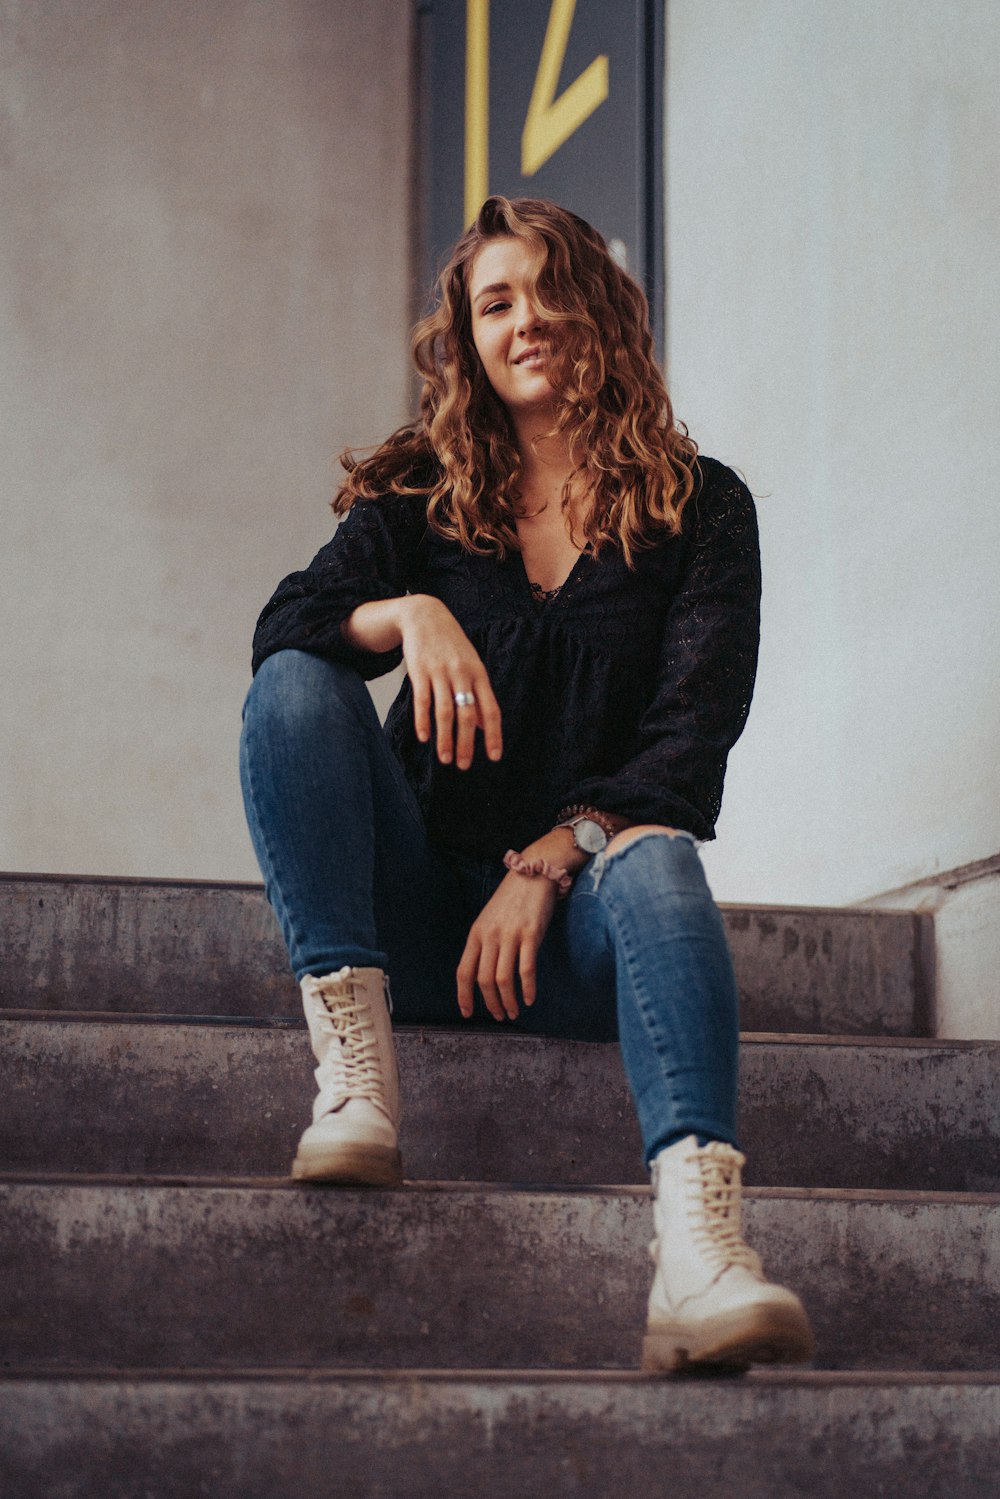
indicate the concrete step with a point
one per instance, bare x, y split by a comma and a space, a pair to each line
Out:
240, 1274
76, 943
412, 1435
113, 1094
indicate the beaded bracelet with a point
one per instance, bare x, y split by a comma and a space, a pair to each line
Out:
561, 878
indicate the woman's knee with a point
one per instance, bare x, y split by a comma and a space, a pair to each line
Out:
652, 857
641, 830
303, 692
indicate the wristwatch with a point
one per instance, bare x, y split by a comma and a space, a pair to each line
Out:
591, 833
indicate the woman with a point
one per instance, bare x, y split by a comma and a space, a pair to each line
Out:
575, 596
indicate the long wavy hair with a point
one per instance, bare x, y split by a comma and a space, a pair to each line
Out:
632, 460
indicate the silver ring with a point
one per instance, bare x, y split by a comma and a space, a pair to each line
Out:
465, 699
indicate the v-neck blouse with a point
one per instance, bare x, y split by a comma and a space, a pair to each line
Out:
625, 691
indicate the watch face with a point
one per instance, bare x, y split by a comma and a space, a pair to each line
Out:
590, 836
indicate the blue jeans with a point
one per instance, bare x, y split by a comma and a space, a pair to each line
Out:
636, 952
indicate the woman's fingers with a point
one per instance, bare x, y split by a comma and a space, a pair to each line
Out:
421, 688
486, 978
466, 718
466, 975
483, 713
506, 963
503, 945
527, 972
456, 722
478, 964
444, 717
440, 670
488, 713
495, 971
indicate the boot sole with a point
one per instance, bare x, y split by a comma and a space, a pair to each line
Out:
730, 1341
352, 1165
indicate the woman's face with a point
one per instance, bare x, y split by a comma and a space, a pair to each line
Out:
511, 341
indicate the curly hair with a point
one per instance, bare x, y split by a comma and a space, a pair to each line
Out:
631, 459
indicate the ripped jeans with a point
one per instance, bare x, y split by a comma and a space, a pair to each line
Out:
637, 952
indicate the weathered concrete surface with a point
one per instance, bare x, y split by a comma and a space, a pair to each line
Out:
138, 1095
819, 970
481, 1436
167, 946
892, 1113
193, 948
964, 906
240, 1274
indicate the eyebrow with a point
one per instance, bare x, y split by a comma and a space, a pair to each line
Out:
488, 291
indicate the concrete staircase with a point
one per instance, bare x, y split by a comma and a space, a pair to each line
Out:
178, 1319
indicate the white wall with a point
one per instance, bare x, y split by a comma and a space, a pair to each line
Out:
833, 223
203, 296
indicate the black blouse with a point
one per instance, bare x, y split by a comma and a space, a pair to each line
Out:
624, 691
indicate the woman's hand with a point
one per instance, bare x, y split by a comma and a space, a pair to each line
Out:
504, 941
441, 660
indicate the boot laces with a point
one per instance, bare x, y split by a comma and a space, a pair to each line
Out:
355, 1057
713, 1198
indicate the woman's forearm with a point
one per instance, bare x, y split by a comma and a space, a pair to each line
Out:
559, 846
378, 626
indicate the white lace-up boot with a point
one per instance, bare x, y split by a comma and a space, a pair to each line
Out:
710, 1302
354, 1136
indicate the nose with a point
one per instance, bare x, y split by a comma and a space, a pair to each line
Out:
527, 319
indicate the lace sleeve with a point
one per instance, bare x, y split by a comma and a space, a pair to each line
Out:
707, 668
372, 556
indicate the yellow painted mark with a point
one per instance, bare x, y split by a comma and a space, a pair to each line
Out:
477, 106
550, 121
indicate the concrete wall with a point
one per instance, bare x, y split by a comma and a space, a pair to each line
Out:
203, 296
834, 330
963, 954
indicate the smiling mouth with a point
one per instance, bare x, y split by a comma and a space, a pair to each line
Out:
531, 357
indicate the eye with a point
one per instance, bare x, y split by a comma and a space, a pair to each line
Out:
494, 307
